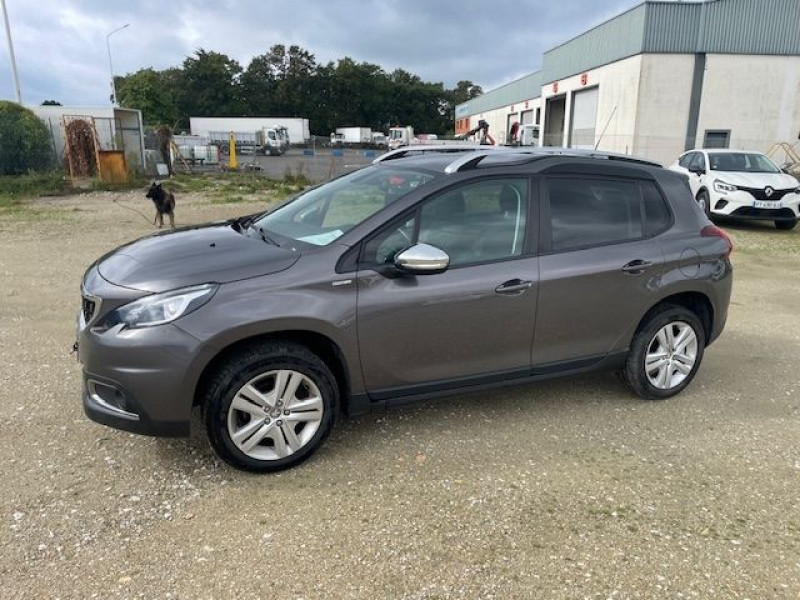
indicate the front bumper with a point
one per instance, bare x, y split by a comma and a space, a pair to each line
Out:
139, 380
742, 205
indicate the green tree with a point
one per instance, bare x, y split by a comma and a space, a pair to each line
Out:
25, 143
209, 86
152, 92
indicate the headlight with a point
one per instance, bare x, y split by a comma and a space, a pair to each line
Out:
724, 188
159, 309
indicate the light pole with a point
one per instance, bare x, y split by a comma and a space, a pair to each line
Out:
11, 53
111, 64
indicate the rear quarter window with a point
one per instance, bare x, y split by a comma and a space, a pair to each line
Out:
657, 217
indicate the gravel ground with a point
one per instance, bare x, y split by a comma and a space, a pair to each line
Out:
568, 489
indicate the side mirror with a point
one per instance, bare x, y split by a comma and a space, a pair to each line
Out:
422, 259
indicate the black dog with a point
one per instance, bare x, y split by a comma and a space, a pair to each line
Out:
165, 204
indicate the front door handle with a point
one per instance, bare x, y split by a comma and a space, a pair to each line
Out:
513, 287
637, 267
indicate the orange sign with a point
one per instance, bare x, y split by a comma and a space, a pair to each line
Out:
584, 78
555, 87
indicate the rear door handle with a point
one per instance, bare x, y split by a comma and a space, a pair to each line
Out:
637, 267
513, 287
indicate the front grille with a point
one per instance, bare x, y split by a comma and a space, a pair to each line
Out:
88, 307
764, 213
761, 194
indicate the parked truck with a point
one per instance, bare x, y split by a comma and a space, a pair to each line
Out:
296, 127
529, 135
404, 136
354, 135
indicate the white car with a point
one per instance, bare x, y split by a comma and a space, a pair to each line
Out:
741, 185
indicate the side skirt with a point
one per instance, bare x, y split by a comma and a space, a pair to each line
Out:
380, 399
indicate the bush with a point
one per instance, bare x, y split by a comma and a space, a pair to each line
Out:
24, 141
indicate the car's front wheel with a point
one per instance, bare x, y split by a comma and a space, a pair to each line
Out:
786, 225
665, 353
704, 201
270, 406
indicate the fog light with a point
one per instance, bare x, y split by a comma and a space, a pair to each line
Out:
110, 397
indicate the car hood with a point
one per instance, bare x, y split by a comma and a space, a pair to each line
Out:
778, 181
216, 253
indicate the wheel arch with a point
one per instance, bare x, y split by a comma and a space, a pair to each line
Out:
697, 302
321, 345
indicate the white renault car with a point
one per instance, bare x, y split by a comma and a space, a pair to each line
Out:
741, 185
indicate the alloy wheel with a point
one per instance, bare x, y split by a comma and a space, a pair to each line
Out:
671, 355
275, 414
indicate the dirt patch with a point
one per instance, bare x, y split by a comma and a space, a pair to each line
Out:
568, 489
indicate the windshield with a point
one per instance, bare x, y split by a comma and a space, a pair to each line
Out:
741, 162
324, 214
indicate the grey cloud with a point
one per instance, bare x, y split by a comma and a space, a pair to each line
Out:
61, 52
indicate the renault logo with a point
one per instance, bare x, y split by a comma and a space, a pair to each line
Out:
768, 191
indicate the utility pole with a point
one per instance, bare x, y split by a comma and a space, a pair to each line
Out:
111, 64
11, 54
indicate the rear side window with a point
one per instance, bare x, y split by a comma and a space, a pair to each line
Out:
593, 212
656, 213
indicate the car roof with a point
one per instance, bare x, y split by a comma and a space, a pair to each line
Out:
725, 151
449, 161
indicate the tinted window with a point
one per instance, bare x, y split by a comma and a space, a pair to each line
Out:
593, 212
478, 222
656, 213
686, 160
698, 162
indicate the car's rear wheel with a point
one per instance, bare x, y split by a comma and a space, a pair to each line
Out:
785, 225
270, 406
704, 201
665, 353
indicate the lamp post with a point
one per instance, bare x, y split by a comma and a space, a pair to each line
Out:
11, 54
111, 64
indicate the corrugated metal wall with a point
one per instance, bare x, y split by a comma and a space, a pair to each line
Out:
525, 88
724, 27
613, 40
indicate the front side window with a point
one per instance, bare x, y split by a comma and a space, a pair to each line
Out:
686, 160
475, 223
698, 162
324, 214
593, 212
744, 162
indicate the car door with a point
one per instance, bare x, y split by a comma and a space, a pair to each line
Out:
471, 323
597, 269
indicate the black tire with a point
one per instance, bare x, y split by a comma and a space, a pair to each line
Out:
244, 366
704, 201
634, 373
785, 225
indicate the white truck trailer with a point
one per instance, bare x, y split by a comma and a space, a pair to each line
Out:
354, 135
296, 127
404, 136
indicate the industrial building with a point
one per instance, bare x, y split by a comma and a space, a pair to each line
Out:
662, 78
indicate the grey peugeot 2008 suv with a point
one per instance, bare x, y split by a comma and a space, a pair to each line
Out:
423, 274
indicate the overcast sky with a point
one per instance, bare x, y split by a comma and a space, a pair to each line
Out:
61, 44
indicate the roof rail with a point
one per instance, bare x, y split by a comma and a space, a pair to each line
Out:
440, 148
471, 161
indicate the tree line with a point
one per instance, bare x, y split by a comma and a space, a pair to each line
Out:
289, 82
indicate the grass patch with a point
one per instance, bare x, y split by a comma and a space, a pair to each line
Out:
14, 189
226, 188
